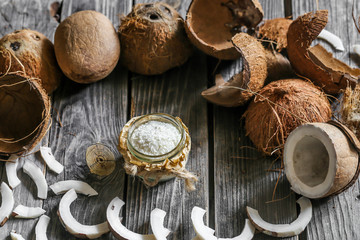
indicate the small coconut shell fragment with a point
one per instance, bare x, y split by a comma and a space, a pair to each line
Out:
241, 87
279, 108
210, 25
100, 159
276, 30
153, 39
316, 63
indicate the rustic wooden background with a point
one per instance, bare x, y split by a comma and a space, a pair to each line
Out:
231, 174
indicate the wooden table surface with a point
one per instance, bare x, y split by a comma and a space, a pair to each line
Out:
232, 175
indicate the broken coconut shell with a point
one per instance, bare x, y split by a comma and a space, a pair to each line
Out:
278, 66
25, 111
210, 25
316, 63
241, 87
279, 108
32, 54
87, 46
276, 30
321, 159
153, 39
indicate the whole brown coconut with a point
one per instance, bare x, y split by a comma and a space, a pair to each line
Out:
87, 47
30, 52
279, 108
276, 30
153, 39
25, 114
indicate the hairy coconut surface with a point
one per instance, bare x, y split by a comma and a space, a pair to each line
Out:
210, 25
278, 66
25, 114
32, 53
276, 30
320, 159
248, 82
350, 109
153, 39
87, 46
279, 108
316, 63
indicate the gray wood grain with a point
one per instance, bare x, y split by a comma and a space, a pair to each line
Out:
336, 217
240, 172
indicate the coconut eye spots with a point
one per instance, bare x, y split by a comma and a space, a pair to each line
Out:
15, 46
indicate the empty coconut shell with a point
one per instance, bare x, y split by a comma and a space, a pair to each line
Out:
316, 63
210, 25
242, 86
153, 39
25, 114
279, 108
276, 30
32, 53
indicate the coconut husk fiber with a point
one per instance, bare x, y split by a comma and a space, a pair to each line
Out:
279, 108
25, 114
276, 30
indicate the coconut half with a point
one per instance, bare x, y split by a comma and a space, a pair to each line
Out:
320, 160
22, 211
10, 168
16, 236
72, 225
157, 217
7, 203
115, 225
246, 83
283, 230
50, 160
316, 63
210, 25
79, 186
38, 177
41, 227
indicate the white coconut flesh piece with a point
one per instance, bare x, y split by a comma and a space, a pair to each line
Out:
157, 217
331, 38
10, 167
50, 160
72, 225
41, 227
38, 177
319, 160
16, 236
79, 186
22, 211
117, 228
7, 203
283, 230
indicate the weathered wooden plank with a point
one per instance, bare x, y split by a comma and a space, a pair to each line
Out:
14, 15
177, 92
88, 114
240, 172
336, 217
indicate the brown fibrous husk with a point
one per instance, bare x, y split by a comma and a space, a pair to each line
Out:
153, 39
279, 108
25, 114
248, 82
33, 54
350, 109
276, 30
210, 24
316, 63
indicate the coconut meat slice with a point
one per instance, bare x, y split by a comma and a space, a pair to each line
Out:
22, 211
157, 217
79, 186
283, 230
41, 227
334, 40
15, 236
50, 160
10, 167
7, 203
246, 234
115, 225
202, 231
38, 177
72, 225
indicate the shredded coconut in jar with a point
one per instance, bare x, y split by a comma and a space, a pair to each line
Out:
155, 138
